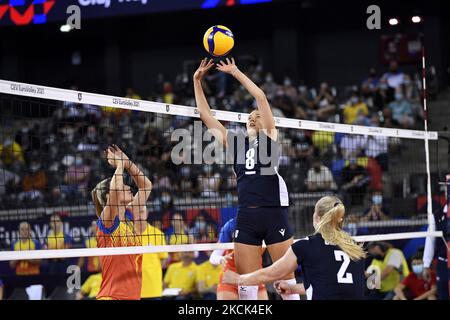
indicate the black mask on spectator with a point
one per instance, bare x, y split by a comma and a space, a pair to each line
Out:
378, 257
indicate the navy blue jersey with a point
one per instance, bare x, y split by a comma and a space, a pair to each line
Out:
328, 270
255, 164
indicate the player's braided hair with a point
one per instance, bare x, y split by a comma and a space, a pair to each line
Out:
331, 212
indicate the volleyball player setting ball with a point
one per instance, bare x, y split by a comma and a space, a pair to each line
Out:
226, 291
332, 263
122, 217
262, 194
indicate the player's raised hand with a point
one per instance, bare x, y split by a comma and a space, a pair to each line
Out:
203, 69
125, 160
228, 67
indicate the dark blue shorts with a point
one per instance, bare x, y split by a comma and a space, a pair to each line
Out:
271, 224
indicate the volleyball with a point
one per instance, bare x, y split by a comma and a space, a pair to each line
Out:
218, 40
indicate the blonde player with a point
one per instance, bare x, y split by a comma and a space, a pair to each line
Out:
333, 264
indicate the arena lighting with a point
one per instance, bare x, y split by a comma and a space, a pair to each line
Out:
65, 28
393, 21
416, 19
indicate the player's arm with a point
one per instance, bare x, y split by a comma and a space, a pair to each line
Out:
112, 208
261, 100
138, 205
217, 129
282, 267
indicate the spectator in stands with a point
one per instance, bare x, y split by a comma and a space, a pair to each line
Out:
11, 155
131, 94
370, 84
152, 264
306, 102
90, 287
377, 210
320, 178
355, 108
34, 183
76, 178
393, 77
93, 263
208, 279
57, 239
400, 110
25, 242
377, 147
325, 103
355, 179
392, 265
90, 142
201, 230
415, 286
179, 232
352, 145
182, 275
269, 86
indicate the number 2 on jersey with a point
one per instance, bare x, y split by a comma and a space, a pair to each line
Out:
342, 275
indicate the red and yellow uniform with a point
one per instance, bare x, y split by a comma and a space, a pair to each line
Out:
231, 265
121, 274
24, 267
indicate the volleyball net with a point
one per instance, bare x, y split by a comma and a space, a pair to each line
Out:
52, 156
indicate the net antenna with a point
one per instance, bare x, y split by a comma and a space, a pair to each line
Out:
430, 216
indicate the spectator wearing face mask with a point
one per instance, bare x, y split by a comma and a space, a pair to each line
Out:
377, 210
392, 266
320, 178
354, 108
401, 110
415, 286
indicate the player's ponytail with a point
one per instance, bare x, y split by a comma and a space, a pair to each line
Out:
99, 195
331, 212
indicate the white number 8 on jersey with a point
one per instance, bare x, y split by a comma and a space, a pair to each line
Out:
250, 159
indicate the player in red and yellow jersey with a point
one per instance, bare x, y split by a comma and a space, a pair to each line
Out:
122, 218
226, 258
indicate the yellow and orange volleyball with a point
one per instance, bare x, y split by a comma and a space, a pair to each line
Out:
218, 40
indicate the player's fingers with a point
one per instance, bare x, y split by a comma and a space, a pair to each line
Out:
228, 61
222, 63
232, 60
